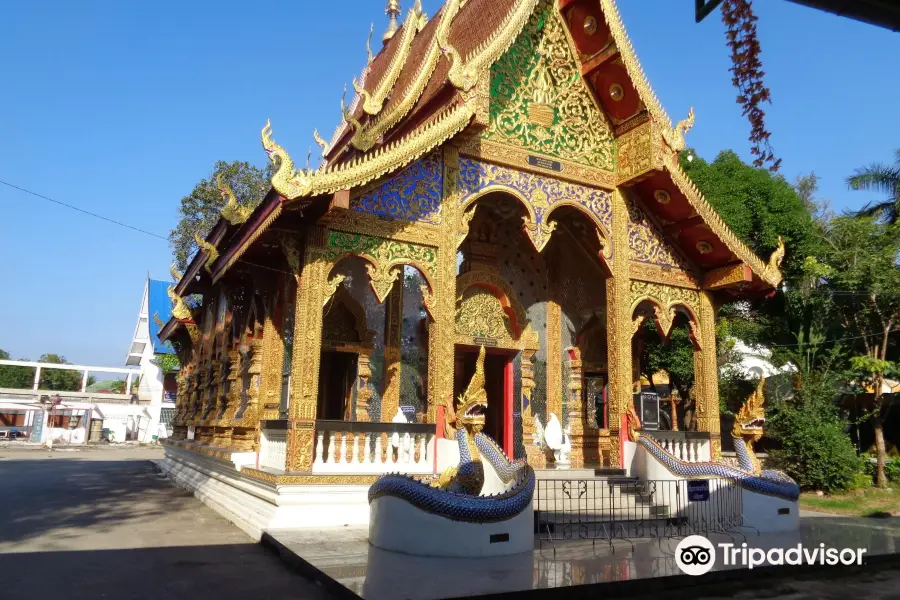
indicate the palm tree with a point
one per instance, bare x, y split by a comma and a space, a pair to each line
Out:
883, 178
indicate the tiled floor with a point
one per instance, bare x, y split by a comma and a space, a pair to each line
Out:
345, 555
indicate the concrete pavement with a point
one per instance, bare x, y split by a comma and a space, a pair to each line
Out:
101, 523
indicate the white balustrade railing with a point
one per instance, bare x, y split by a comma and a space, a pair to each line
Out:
273, 448
344, 447
683, 446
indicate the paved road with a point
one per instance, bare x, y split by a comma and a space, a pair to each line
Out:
102, 523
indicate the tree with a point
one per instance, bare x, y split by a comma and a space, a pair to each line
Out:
860, 270
200, 209
881, 178
15, 377
59, 379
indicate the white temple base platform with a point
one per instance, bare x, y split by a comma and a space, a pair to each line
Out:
256, 506
397, 525
768, 514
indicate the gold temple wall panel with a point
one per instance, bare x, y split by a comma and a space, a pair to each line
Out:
539, 195
540, 101
646, 242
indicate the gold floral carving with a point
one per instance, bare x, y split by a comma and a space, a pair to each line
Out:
636, 323
539, 232
724, 277
554, 359
393, 333
634, 153
541, 102
665, 299
340, 219
443, 305
382, 278
619, 321
363, 389
662, 274
480, 315
331, 286
272, 367
290, 247
706, 387
518, 158
647, 243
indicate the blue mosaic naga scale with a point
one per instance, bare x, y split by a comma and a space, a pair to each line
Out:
456, 494
748, 474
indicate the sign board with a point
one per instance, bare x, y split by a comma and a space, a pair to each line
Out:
698, 491
544, 163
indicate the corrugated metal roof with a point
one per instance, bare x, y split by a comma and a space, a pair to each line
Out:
158, 304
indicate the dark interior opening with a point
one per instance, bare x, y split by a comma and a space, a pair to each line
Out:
337, 372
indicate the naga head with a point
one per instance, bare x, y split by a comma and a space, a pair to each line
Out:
473, 402
749, 421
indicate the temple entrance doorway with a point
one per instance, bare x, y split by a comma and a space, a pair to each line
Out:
337, 374
498, 375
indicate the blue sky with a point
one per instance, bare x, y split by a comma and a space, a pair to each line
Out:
121, 107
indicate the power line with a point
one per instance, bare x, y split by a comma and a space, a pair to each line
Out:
81, 210
119, 223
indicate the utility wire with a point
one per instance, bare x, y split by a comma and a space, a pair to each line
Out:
81, 210
119, 223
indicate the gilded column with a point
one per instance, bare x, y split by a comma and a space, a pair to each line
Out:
393, 332
618, 322
554, 362
307, 351
442, 303
706, 376
273, 360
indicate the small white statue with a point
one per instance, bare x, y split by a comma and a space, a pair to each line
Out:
558, 441
398, 418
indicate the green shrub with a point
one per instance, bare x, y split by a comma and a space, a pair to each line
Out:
815, 452
862, 481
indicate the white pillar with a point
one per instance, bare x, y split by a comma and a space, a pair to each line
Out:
84, 379
128, 384
37, 378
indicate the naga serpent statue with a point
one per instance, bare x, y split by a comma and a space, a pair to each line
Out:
455, 495
748, 428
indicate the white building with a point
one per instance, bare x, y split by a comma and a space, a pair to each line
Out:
155, 387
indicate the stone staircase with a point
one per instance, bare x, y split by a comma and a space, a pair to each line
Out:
598, 503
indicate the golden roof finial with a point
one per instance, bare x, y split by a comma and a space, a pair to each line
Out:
369, 43
393, 11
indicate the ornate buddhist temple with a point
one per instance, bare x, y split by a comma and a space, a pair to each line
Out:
504, 177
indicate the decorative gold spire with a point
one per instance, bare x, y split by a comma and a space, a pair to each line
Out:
233, 212
176, 276
179, 309
211, 252
393, 11
321, 143
158, 321
369, 43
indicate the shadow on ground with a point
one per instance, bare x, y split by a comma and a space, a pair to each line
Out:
44, 496
234, 571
